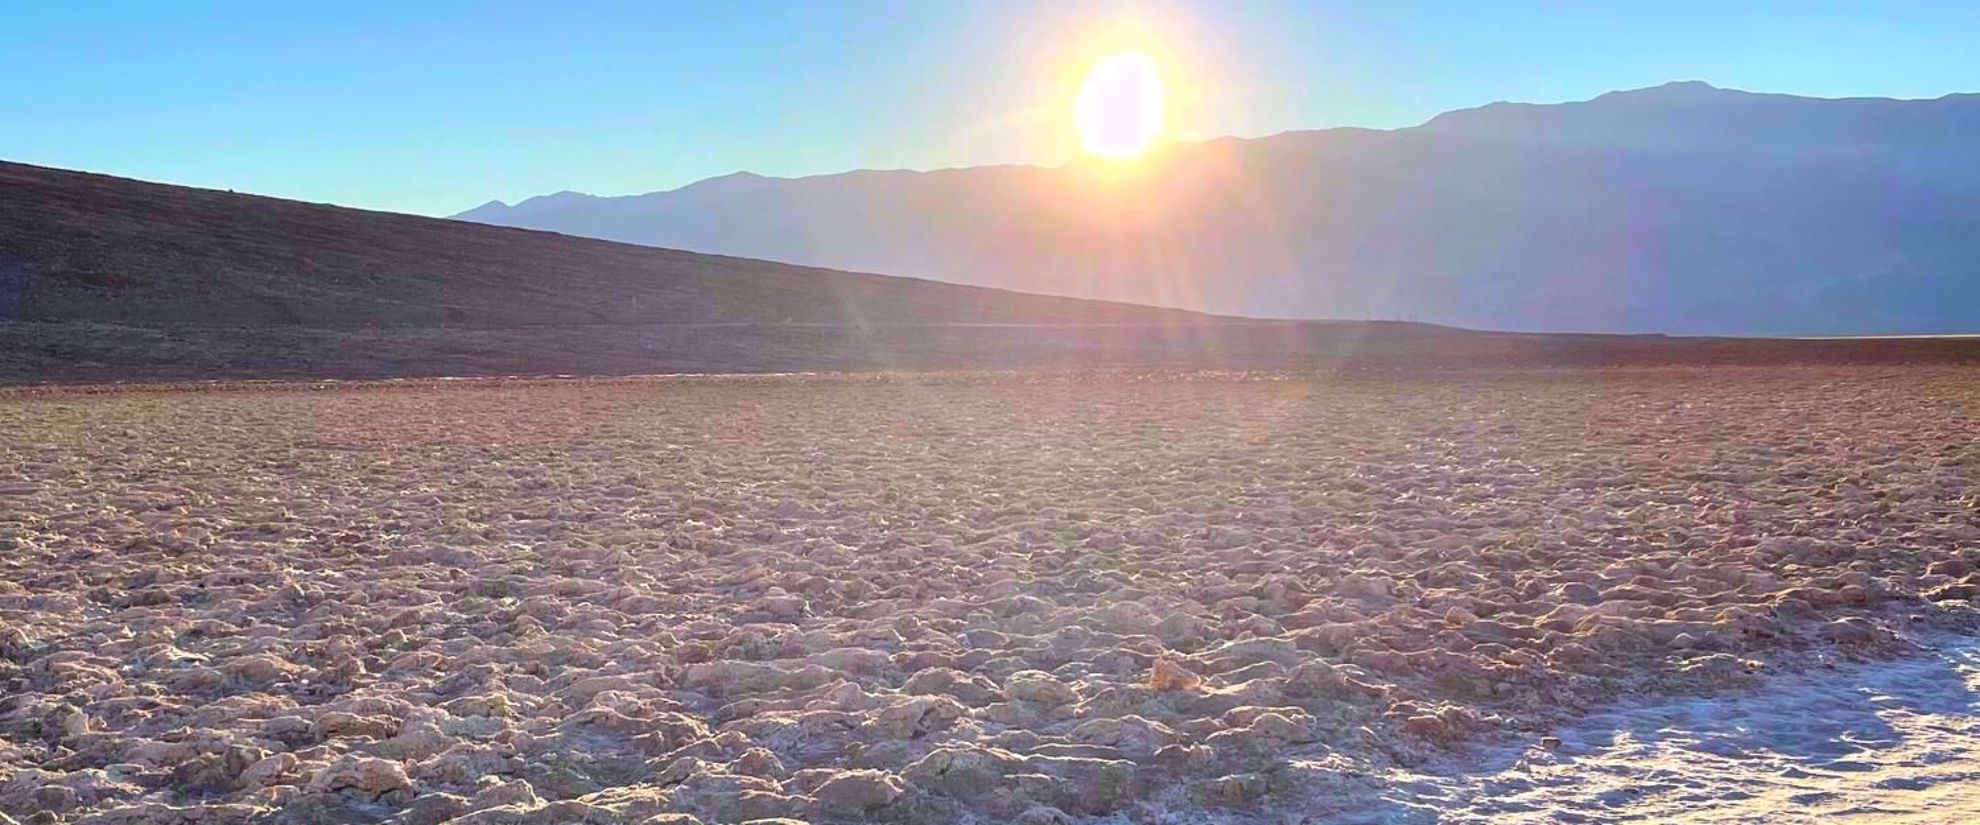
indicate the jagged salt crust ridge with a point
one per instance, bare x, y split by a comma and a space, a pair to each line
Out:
1155, 598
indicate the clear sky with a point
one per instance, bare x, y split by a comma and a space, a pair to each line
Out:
435, 106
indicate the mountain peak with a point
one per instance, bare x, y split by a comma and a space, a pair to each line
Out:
734, 181
502, 213
1676, 91
488, 212
1682, 87
554, 199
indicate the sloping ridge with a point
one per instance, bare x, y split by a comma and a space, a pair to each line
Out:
104, 279
110, 279
104, 249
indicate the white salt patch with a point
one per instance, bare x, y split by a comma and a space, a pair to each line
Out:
1884, 742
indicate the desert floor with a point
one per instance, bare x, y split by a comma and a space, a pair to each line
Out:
1160, 598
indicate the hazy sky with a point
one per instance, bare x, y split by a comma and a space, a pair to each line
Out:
434, 106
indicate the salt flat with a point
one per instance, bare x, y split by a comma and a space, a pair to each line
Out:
1887, 741
1120, 597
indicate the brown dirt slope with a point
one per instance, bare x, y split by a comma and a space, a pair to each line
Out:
108, 279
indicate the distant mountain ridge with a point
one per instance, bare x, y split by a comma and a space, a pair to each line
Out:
1696, 116
1682, 208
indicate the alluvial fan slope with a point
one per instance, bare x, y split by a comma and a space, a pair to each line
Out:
1125, 598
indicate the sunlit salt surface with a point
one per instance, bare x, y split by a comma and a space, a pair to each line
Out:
1885, 742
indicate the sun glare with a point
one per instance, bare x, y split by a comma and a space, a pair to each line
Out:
1119, 109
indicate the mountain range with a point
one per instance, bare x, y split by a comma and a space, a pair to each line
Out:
1683, 209
106, 279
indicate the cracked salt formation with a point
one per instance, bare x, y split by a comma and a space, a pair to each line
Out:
1150, 598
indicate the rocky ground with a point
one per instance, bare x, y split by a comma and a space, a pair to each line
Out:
1122, 598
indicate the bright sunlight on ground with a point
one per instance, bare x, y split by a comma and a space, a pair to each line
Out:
1119, 109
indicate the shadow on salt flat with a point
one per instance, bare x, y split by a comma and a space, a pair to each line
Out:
1891, 742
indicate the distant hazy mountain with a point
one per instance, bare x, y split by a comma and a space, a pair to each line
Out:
1682, 208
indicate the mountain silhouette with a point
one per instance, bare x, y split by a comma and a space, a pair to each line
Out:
1682, 208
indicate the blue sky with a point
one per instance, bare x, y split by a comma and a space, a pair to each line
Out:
434, 106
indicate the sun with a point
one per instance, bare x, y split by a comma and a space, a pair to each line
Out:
1119, 108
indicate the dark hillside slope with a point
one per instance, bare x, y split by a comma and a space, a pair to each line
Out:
85, 247
107, 279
